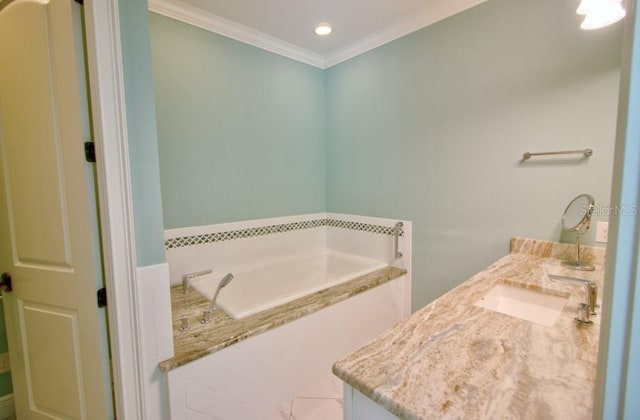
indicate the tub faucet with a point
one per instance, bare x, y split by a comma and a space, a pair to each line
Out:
591, 294
187, 277
206, 315
396, 237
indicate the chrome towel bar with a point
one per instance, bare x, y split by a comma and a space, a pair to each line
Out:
585, 152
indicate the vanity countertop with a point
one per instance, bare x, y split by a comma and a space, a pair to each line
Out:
200, 339
452, 359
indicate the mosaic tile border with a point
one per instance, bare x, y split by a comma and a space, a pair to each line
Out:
271, 229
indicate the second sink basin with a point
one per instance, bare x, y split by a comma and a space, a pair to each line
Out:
530, 303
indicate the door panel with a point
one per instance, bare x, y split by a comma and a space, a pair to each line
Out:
55, 331
48, 218
33, 175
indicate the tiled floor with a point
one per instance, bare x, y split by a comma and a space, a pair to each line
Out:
316, 409
323, 401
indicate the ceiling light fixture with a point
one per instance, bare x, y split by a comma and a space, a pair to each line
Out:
323, 29
600, 13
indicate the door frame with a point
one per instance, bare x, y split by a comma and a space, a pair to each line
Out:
108, 114
617, 382
106, 84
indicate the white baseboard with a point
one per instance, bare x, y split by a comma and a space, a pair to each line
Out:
7, 407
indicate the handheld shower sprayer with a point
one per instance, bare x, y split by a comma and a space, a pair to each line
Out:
206, 315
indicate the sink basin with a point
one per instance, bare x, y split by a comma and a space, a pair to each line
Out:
531, 303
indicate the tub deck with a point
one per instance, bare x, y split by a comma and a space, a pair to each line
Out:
201, 340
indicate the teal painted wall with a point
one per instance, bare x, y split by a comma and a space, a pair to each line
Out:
241, 131
431, 128
141, 126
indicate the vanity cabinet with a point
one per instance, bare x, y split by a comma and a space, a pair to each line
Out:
455, 358
360, 407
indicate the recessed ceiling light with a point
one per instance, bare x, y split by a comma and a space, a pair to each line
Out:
323, 29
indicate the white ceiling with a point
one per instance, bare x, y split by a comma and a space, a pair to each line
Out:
286, 26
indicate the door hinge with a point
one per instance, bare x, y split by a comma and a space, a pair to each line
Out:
102, 297
90, 151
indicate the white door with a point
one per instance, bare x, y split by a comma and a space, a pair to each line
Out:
49, 238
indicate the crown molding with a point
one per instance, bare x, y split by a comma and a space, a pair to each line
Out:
188, 14
438, 10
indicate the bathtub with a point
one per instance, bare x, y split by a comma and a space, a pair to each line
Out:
266, 375
282, 281
285, 359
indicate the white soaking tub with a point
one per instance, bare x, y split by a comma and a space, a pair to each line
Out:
265, 287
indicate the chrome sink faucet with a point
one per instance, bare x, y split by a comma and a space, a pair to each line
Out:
187, 277
587, 308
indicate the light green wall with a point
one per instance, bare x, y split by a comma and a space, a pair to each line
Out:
141, 126
241, 131
431, 128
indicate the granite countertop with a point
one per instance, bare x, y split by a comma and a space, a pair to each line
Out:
452, 359
201, 340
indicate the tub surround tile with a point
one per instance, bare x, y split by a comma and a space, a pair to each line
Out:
239, 225
242, 233
201, 340
244, 254
155, 326
452, 359
269, 229
240, 246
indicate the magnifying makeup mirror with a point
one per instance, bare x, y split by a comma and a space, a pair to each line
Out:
577, 218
